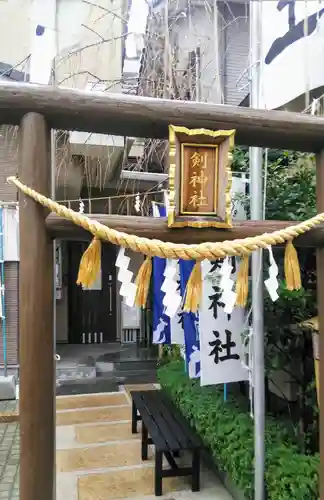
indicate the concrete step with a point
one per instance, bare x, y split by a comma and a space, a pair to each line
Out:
126, 365
105, 383
75, 373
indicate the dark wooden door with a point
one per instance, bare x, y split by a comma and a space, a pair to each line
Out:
92, 312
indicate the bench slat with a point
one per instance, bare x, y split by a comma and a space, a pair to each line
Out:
174, 428
150, 424
173, 443
179, 420
171, 430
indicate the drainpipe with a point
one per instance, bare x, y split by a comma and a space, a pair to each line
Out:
3, 305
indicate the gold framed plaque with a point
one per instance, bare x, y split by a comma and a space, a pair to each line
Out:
200, 177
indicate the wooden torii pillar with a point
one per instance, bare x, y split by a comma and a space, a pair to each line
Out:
320, 308
36, 349
37, 109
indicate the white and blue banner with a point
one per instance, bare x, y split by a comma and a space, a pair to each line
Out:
293, 50
161, 322
173, 300
190, 324
176, 323
221, 343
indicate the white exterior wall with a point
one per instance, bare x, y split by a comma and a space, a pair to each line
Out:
189, 34
100, 58
103, 60
224, 77
14, 31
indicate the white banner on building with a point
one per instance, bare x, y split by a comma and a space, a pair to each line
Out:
293, 49
10, 233
221, 348
43, 41
131, 316
57, 27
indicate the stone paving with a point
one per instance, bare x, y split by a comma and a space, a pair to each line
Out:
8, 406
9, 461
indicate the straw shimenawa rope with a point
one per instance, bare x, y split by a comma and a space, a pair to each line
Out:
90, 262
157, 248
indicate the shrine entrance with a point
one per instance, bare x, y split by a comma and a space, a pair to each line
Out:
37, 109
92, 311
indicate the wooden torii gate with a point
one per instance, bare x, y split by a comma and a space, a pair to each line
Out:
37, 109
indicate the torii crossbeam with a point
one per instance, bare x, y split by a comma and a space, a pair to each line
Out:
37, 109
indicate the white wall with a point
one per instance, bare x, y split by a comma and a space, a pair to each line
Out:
224, 48
101, 44
14, 31
103, 59
189, 34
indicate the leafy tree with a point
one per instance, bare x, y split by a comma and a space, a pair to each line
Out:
290, 195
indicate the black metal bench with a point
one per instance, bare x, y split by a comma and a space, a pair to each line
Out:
165, 428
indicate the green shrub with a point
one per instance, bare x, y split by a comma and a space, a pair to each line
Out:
227, 430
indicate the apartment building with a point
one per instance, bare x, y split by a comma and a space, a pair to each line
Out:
90, 52
197, 50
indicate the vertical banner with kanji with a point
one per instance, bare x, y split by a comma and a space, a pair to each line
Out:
221, 347
190, 325
161, 322
176, 322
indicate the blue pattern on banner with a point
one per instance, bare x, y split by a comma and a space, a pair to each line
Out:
190, 324
40, 30
161, 322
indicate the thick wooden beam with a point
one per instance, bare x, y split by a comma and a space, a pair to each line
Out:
320, 310
150, 227
136, 116
36, 353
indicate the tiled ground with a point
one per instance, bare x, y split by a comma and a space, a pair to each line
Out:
9, 462
97, 456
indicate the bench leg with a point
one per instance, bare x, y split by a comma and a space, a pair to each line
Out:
158, 473
134, 418
144, 442
196, 470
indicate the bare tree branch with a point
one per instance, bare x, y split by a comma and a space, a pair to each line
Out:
95, 44
93, 31
77, 73
108, 11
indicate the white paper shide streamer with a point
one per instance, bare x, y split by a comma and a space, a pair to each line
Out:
176, 327
125, 276
272, 283
137, 204
172, 297
227, 285
81, 206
